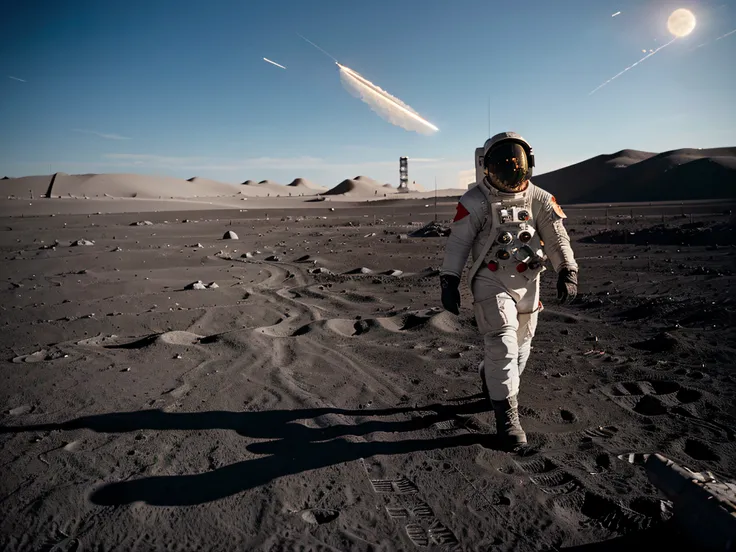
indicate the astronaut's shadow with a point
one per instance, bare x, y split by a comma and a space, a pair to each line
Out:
287, 446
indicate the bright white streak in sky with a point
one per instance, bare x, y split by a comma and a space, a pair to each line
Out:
650, 54
273, 63
384, 104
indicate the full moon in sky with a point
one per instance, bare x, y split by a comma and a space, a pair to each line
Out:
681, 22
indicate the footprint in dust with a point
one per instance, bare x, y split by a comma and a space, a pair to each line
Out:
597, 510
600, 464
417, 517
319, 516
62, 542
436, 533
417, 535
571, 498
650, 398
458, 423
602, 432
401, 485
700, 451
416, 510
548, 476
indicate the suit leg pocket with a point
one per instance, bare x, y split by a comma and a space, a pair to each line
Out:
495, 313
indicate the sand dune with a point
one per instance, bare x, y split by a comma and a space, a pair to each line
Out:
306, 185
115, 186
360, 186
416, 187
27, 186
624, 176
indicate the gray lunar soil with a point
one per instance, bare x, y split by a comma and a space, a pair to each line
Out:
317, 398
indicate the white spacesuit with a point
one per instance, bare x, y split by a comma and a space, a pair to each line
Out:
511, 227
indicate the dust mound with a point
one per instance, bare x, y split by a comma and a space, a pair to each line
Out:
268, 183
249, 183
431, 230
358, 186
319, 517
26, 185
62, 185
698, 233
207, 183
660, 343
183, 338
631, 176
304, 183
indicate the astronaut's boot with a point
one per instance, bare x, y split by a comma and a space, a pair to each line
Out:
510, 433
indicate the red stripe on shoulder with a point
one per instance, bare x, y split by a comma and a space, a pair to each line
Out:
556, 208
461, 212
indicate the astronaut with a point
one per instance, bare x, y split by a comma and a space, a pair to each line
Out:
511, 227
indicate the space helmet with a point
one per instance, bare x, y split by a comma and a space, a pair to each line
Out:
507, 162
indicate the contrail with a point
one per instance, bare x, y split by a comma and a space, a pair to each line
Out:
650, 54
381, 102
725, 35
384, 104
320, 49
729, 33
615, 14
16, 78
274, 63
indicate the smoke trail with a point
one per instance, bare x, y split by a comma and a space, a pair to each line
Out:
273, 63
729, 33
384, 104
650, 54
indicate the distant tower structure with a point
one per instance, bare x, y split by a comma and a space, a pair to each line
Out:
403, 175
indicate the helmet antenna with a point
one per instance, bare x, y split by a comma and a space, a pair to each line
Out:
489, 115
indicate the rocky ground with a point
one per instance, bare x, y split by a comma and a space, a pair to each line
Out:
316, 397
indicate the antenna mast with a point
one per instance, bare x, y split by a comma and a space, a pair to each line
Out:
489, 115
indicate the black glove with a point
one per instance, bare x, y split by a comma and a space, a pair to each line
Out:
567, 285
450, 293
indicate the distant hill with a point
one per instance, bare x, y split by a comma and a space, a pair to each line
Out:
359, 186
631, 175
304, 184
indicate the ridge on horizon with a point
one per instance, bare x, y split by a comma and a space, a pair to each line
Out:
625, 175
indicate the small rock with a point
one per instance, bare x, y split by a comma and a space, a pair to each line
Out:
196, 285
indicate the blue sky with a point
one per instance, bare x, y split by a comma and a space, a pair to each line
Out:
180, 87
